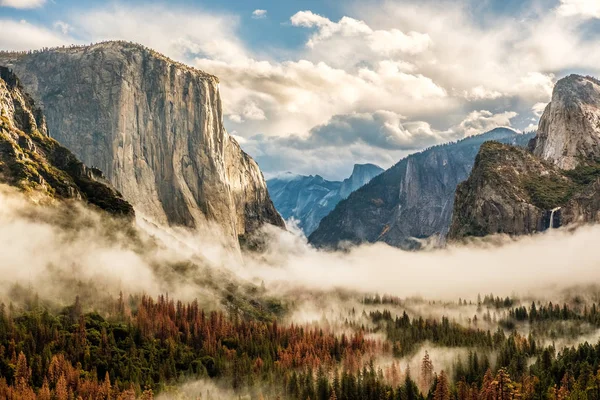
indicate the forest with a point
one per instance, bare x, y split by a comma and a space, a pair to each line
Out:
145, 347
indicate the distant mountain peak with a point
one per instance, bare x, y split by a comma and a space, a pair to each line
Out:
308, 199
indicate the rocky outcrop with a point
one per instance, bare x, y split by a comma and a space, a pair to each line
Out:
155, 127
361, 175
409, 202
506, 193
307, 199
34, 162
557, 182
569, 130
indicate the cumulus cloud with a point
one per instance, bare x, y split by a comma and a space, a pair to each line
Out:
22, 3
482, 121
383, 129
408, 58
22, 35
380, 41
481, 93
581, 8
177, 32
259, 14
297, 96
381, 137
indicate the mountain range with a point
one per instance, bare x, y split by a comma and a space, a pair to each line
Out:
307, 199
156, 127
410, 202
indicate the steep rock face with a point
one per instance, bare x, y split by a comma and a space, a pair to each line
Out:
155, 127
361, 175
307, 199
569, 130
500, 194
410, 201
32, 161
517, 192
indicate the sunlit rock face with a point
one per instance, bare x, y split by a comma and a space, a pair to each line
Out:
555, 183
40, 166
569, 129
155, 127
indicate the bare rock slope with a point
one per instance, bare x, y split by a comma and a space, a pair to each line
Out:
155, 127
34, 162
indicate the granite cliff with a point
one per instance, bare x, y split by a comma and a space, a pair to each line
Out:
516, 191
569, 130
36, 163
155, 127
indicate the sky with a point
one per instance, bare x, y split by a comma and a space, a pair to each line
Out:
315, 86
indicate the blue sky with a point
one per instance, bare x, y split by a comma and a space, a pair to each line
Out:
314, 86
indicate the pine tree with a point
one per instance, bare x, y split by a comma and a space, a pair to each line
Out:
442, 388
426, 372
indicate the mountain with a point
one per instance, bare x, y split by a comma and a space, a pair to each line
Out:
569, 130
557, 182
410, 201
361, 175
155, 127
308, 199
34, 162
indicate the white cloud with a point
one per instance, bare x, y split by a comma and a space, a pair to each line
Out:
22, 35
259, 14
582, 8
22, 3
393, 41
478, 122
63, 27
385, 42
481, 93
178, 33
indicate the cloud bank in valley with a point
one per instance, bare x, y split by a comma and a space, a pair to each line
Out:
42, 249
532, 265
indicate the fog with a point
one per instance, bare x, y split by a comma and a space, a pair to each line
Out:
44, 247
61, 250
531, 266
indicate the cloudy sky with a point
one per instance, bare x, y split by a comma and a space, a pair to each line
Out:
314, 86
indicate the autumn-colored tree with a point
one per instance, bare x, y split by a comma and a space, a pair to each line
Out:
487, 391
463, 390
503, 385
426, 372
61, 391
442, 388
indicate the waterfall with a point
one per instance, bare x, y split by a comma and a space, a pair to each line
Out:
551, 226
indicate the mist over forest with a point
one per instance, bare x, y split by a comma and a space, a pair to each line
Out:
178, 219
